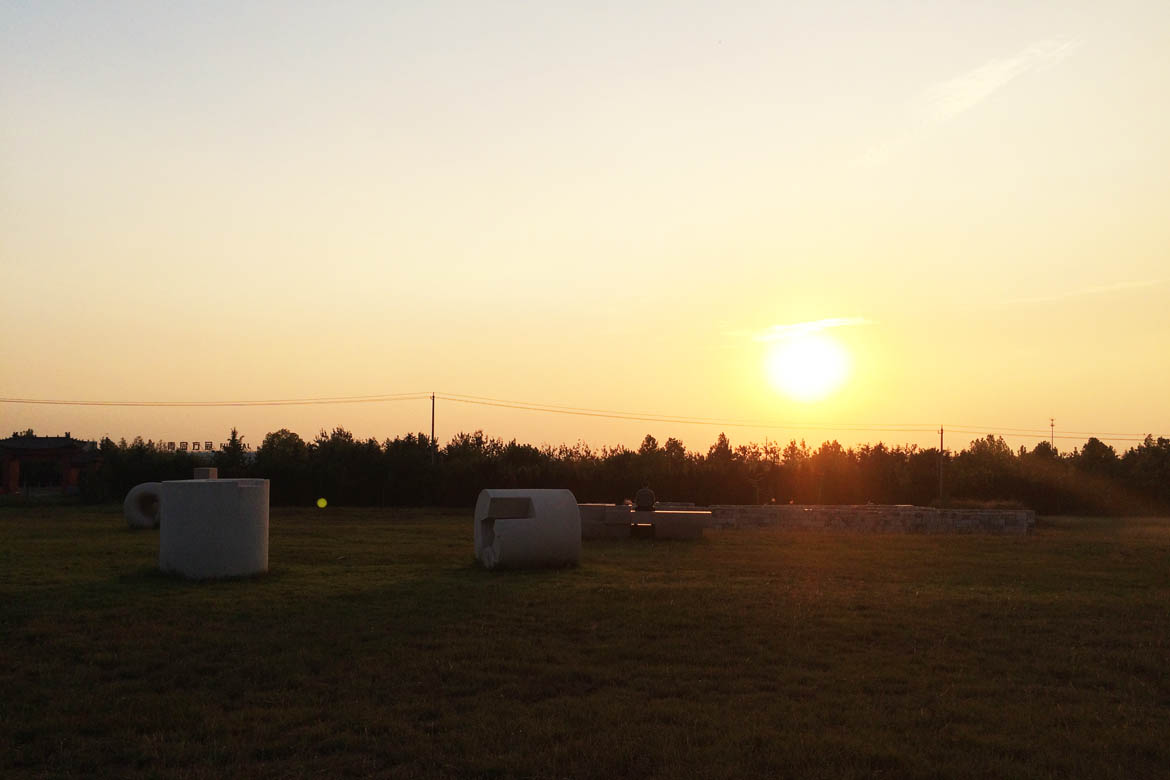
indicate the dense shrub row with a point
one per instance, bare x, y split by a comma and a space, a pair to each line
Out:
404, 471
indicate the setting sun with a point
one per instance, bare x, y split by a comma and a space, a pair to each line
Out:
807, 366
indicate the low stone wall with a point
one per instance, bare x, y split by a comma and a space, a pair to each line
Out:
608, 521
873, 518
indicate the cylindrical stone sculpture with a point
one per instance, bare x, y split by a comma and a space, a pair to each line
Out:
214, 527
527, 528
142, 505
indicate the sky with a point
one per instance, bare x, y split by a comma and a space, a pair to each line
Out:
611, 206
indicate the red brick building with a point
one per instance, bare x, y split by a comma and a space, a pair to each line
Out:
72, 457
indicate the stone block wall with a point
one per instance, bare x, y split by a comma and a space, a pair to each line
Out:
874, 518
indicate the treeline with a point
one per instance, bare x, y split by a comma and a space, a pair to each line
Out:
407, 471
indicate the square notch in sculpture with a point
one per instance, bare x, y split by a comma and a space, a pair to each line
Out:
501, 509
511, 507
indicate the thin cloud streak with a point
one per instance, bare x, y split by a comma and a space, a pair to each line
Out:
944, 101
778, 332
1106, 288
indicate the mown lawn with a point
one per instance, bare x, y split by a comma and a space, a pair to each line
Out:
376, 647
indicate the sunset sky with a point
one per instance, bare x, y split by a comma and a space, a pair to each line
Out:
626, 206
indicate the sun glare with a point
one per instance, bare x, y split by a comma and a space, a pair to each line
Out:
808, 366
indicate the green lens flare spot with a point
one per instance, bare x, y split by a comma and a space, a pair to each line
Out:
322, 503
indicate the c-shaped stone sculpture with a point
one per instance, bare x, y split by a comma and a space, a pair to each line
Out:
527, 528
142, 506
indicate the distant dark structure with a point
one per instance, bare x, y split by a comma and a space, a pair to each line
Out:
644, 500
71, 456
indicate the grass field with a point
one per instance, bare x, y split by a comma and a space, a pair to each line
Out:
375, 646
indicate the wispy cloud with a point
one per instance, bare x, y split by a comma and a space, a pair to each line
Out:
1105, 288
947, 100
777, 332
942, 102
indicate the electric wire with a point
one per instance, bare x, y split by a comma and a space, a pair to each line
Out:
652, 417
1101, 437
351, 399
1037, 434
676, 420
580, 411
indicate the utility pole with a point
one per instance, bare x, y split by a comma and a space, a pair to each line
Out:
433, 448
1052, 432
941, 455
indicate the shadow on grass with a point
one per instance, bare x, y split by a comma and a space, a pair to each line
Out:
151, 574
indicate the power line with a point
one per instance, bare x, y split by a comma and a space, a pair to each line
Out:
350, 399
1101, 436
676, 420
537, 406
750, 424
1044, 431
484, 401
848, 427
592, 412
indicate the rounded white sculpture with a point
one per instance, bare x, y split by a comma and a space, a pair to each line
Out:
527, 528
142, 505
214, 527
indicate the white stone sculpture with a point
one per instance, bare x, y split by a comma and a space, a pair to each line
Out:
214, 527
142, 505
527, 528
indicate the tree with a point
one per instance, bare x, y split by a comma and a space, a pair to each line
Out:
834, 467
347, 471
985, 470
794, 454
720, 450
1147, 468
1045, 450
231, 460
674, 449
410, 476
283, 459
281, 447
1097, 456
